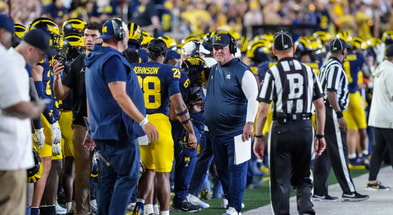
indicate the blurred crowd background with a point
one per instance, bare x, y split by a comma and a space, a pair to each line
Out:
180, 18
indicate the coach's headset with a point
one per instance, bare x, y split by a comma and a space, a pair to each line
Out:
232, 43
118, 29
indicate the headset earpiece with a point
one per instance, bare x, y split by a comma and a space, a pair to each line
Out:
118, 29
232, 44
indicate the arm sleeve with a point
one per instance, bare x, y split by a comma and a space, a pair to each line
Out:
48, 113
332, 79
250, 90
174, 81
40, 88
389, 86
265, 92
37, 123
12, 89
114, 70
318, 93
48, 109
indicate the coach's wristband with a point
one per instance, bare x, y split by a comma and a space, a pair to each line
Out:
339, 114
258, 136
144, 122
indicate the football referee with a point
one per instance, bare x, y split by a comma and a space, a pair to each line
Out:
335, 85
294, 88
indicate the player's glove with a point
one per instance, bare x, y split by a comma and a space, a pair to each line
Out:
39, 138
56, 133
56, 149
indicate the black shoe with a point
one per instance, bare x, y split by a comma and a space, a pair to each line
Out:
354, 197
308, 213
324, 198
185, 206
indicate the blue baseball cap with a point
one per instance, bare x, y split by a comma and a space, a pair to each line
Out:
221, 40
109, 28
39, 39
6, 23
171, 54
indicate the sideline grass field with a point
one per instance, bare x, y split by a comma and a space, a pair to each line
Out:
257, 197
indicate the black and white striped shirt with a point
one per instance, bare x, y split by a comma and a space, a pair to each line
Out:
292, 86
333, 78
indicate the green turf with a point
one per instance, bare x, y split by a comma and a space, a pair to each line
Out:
257, 197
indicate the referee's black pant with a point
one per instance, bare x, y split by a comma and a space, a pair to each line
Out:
335, 156
290, 155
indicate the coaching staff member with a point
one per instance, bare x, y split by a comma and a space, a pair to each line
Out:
73, 81
381, 118
230, 108
335, 87
115, 104
294, 88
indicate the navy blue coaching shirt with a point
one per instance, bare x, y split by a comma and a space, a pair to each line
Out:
225, 91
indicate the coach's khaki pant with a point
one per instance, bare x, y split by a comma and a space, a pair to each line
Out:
82, 159
13, 185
